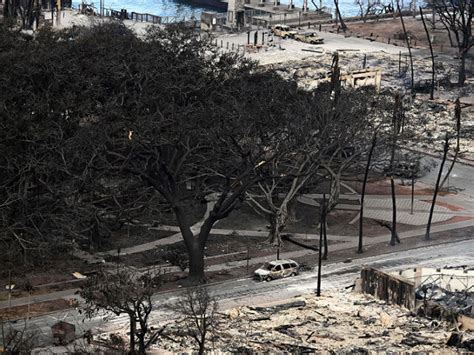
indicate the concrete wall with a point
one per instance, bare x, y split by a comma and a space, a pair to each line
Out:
450, 279
389, 288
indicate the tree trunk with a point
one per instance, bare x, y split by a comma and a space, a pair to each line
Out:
338, 12
292, 210
396, 129
335, 192
196, 261
409, 51
278, 221
364, 184
323, 206
30, 14
457, 114
394, 239
432, 55
141, 342
133, 327
462, 67
201, 346
194, 245
430, 218
37, 13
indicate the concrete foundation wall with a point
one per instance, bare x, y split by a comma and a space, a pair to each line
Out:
389, 288
453, 280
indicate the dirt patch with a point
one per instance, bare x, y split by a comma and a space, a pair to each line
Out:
382, 31
220, 249
426, 191
35, 309
46, 277
147, 258
243, 218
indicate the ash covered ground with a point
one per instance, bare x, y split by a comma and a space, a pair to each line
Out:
337, 322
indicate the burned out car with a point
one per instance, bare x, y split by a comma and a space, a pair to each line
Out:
308, 37
277, 269
283, 31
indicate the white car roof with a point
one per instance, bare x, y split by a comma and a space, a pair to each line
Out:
279, 262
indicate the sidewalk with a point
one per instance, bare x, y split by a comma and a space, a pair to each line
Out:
376, 207
350, 243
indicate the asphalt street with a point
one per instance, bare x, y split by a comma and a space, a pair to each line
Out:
250, 292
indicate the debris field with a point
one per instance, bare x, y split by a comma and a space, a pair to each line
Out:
337, 322
428, 120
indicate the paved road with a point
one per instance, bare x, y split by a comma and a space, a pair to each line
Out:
290, 50
461, 177
461, 174
246, 291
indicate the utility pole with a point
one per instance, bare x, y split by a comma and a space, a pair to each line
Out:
248, 257
9, 288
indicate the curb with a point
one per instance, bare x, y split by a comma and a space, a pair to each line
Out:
182, 289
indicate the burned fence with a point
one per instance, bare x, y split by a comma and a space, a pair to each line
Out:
389, 288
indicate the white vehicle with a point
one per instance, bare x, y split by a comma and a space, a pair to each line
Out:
277, 269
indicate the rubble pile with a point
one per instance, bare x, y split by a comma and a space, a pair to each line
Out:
427, 120
430, 121
395, 69
339, 321
454, 302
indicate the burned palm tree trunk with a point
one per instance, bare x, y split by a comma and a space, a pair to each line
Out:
430, 218
412, 87
338, 15
321, 217
396, 130
335, 79
394, 239
37, 13
362, 196
432, 55
457, 115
